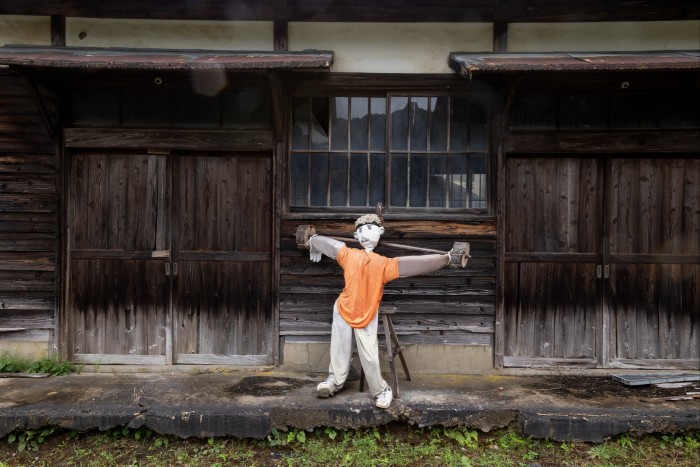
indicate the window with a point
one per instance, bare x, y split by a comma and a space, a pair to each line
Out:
421, 152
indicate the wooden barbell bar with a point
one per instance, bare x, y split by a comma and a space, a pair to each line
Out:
459, 255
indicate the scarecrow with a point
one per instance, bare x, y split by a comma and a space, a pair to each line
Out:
355, 310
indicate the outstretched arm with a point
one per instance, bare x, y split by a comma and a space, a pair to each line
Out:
416, 265
318, 245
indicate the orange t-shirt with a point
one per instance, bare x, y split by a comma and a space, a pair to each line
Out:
365, 276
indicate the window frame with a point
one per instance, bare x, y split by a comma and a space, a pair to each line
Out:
482, 95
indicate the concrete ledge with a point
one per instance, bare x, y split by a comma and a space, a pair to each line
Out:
420, 358
250, 404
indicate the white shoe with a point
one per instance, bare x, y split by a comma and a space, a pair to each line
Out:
327, 388
384, 398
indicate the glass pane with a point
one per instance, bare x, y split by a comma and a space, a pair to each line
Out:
587, 111
399, 180
339, 179
633, 111
299, 183
477, 196
419, 123
457, 180
418, 179
358, 180
359, 123
147, 108
319, 123
399, 123
438, 123
459, 121
534, 111
94, 106
247, 108
438, 181
339, 123
478, 137
195, 109
679, 111
319, 179
378, 124
300, 123
377, 177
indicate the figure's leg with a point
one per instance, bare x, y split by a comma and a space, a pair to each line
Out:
340, 356
368, 350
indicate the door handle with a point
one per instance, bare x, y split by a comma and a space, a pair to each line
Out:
171, 269
606, 274
599, 271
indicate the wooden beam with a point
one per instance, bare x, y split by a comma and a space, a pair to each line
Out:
215, 140
500, 37
364, 10
606, 142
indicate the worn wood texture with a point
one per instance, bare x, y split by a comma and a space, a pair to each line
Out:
28, 219
215, 243
604, 270
653, 213
448, 306
117, 304
223, 302
552, 214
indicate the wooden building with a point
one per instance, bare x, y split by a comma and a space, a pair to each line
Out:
156, 158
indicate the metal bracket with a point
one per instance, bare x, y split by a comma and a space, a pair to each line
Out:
599, 271
607, 271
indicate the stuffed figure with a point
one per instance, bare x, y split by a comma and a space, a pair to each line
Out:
355, 310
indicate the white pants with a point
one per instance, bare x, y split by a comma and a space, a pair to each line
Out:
367, 349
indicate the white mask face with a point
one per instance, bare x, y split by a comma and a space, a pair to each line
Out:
368, 236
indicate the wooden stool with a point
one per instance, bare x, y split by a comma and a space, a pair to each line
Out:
392, 348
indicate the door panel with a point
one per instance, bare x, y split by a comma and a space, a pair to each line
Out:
223, 302
551, 291
653, 216
118, 218
155, 281
609, 277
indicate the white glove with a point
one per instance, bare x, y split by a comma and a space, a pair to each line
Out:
314, 254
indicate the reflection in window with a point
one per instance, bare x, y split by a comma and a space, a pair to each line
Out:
435, 156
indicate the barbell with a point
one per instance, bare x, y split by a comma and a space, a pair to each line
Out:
459, 254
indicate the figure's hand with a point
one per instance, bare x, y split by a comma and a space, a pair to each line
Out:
314, 254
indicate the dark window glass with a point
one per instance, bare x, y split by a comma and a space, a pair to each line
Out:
299, 172
358, 179
419, 123
583, 111
147, 108
399, 180
378, 124
300, 127
339, 179
377, 178
399, 123
246, 108
94, 107
319, 179
195, 109
459, 124
439, 107
359, 123
319, 123
534, 111
418, 179
340, 111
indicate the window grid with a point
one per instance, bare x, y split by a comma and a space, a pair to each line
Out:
464, 188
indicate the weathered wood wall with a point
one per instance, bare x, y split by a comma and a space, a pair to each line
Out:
28, 216
454, 306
